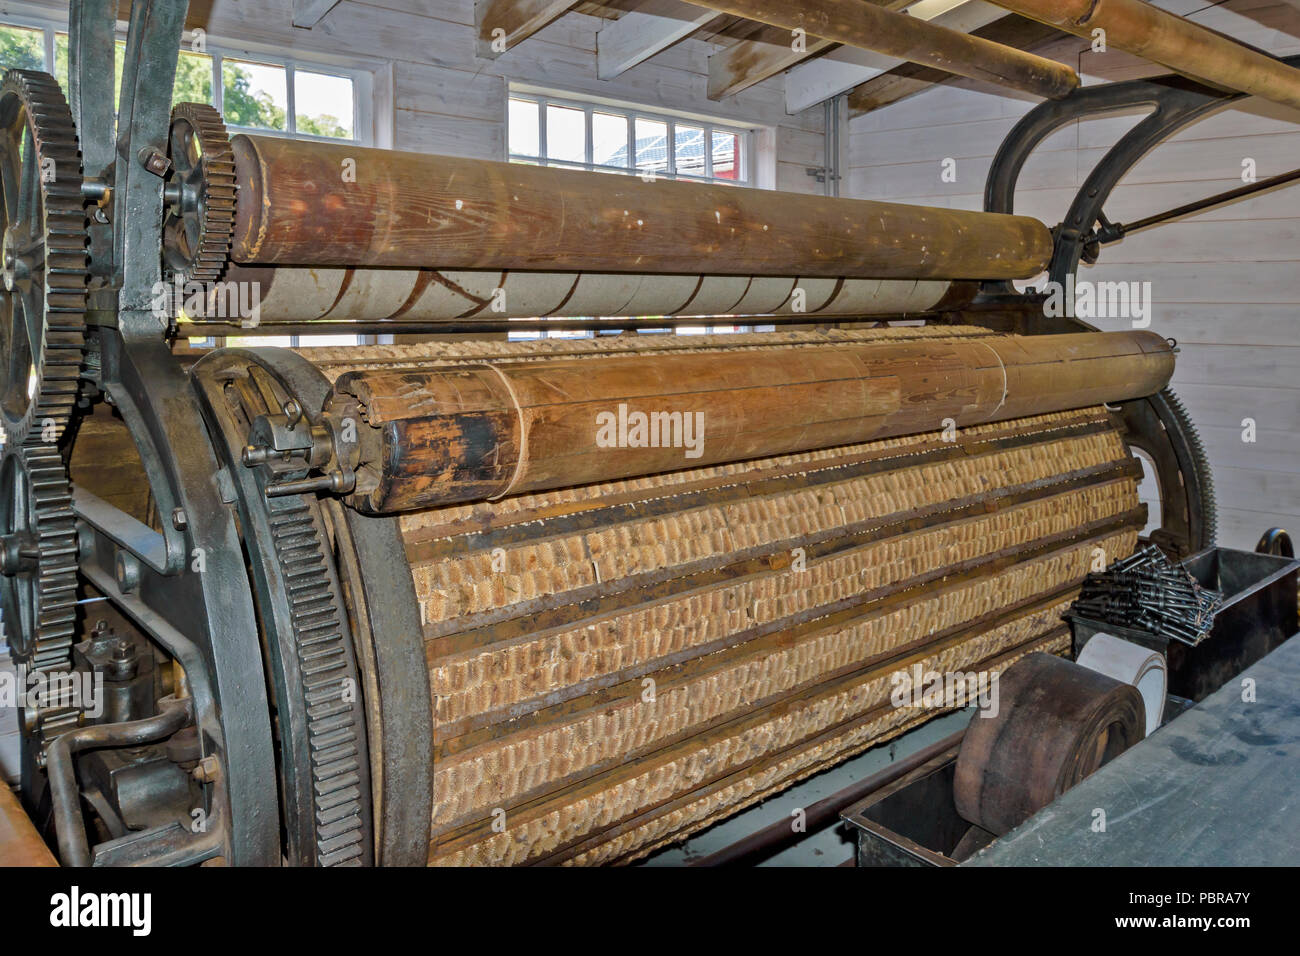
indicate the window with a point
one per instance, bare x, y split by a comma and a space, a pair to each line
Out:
553, 131
267, 95
270, 95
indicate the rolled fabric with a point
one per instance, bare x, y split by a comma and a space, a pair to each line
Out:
1056, 723
1133, 664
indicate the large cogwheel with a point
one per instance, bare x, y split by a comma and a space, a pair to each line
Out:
200, 217
42, 328
38, 589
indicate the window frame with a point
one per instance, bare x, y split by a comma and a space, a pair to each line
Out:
364, 125
632, 113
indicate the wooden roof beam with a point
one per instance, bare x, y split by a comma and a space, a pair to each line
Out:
908, 79
1175, 42
743, 64
504, 24
869, 27
841, 70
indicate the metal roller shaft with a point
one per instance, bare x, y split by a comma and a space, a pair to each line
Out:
322, 204
441, 435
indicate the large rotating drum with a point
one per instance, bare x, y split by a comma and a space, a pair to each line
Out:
581, 674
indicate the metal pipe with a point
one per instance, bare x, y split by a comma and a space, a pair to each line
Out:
1188, 48
298, 205
74, 850
867, 26
472, 432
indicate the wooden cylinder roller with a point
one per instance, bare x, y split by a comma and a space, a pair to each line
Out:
434, 436
1147, 31
1057, 722
297, 205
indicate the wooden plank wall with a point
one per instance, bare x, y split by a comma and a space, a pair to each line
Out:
448, 100
1225, 284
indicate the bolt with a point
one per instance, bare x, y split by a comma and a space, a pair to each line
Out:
154, 160
179, 520
208, 769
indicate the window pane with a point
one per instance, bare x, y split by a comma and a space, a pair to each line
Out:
254, 94
523, 127
566, 134
609, 139
257, 341
61, 59
726, 155
323, 104
22, 49
651, 145
193, 79
688, 150
308, 341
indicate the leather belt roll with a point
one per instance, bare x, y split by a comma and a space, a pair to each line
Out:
1057, 722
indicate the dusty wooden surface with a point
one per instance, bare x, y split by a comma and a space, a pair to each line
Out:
20, 844
442, 435
421, 211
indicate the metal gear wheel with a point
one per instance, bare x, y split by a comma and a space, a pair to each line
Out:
38, 557
43, 300
200, 215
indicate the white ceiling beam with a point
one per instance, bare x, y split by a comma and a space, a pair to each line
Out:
504, 24
839, 71
308, 13
641, 33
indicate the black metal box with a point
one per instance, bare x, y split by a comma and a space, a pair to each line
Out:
1258, 614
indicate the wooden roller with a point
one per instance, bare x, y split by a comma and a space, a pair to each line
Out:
324, 204
439, 435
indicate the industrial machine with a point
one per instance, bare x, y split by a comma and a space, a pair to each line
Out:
480, 601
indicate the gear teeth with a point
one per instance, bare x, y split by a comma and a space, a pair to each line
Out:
53, 587
63, 228
1201, 465
207, 262
333, 725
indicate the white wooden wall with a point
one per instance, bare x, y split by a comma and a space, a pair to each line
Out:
447, 100
1225, 283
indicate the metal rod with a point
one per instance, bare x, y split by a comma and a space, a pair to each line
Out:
1209, 202
777, 836
74, 849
